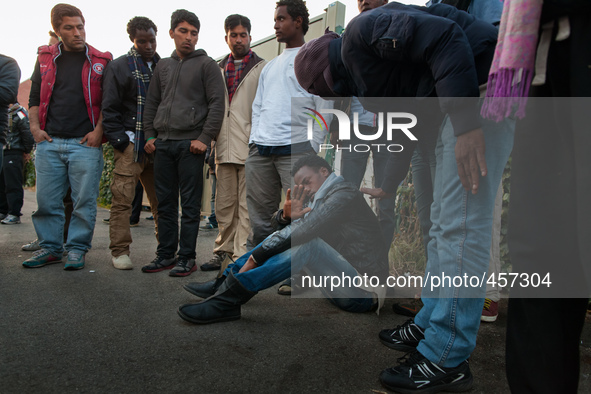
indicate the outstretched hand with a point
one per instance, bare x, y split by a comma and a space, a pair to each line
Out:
470, 158
293, 208
377, 193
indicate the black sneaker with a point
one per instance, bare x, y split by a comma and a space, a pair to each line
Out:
405, 338
215, 263
159, 264
184, 267
416, 374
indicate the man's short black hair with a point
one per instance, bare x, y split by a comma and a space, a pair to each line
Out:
236, 20
60, 10
315, 162
139, 23
297, 8
180, 16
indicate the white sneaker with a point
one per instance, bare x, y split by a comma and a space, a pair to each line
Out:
122, 262
31, 247
11, 219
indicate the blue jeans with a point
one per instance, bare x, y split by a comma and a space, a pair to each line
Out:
61, 164
423, 177
460, 244
319, 259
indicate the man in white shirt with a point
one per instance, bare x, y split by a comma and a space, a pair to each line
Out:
277, 138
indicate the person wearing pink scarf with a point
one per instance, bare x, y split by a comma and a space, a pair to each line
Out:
544, 52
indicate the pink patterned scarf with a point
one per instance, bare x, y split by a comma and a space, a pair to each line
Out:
513, 65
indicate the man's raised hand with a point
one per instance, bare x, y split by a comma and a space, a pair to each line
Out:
293, 208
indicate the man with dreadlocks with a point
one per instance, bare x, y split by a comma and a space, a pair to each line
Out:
125, 87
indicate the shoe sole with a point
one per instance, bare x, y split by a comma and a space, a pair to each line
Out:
123, 268
197, 321
31, 249
150, 271
209, 267
73, 267
181, 274
463, 385
399, 310
399, 346
284, 292
489, 319
11, 222
195, 293
42, 265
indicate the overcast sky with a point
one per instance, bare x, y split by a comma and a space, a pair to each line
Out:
26, 25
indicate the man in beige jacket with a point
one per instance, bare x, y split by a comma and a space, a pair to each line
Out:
241, 70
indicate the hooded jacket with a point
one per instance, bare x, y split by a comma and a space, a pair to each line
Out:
186, 99
408, 51
92, 78
232, 141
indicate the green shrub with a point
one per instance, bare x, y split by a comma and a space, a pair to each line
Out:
30, 177
105, 195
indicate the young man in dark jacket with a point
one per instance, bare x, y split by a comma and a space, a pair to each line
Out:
10, 76
19, 143
126, 84
66, 122
443, 53
336, 236
184, 112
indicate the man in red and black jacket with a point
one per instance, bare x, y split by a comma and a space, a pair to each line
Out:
66, 122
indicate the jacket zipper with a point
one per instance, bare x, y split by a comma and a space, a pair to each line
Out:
174, 82
54, 78
89, 95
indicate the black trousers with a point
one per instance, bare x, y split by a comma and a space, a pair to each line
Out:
136, 205
177, 171
550, 222
11, 183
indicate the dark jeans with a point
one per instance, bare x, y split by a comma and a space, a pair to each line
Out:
136, 205
178, 171
353, 170
11, 183
212, 218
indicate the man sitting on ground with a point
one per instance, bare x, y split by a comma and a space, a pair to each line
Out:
337, 234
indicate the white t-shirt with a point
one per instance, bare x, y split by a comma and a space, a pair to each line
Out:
275, 120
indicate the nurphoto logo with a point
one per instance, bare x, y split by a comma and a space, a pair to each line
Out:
394, 122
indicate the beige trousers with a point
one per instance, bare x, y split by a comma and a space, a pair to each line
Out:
231, 211
125, 177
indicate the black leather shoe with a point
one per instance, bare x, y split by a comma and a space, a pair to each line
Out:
204, 289
224, 305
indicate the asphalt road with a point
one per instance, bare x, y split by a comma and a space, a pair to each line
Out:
102, 330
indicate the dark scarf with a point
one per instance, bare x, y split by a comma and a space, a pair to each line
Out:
233, 75
142, 74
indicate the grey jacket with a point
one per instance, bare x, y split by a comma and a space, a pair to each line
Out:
185, 99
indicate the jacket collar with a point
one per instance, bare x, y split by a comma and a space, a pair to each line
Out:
195, 53
254, 60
